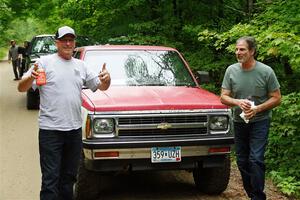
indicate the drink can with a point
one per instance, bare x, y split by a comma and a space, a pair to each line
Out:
41, 79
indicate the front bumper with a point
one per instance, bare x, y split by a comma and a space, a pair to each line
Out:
107, 143
136, 154
124, 165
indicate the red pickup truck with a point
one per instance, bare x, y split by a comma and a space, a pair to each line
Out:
154, 116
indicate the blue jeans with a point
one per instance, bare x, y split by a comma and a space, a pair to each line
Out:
60, 153
251, 141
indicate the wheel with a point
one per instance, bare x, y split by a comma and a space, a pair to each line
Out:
212, 180
33, 99
87, 186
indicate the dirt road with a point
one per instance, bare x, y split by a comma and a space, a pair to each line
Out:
19, 164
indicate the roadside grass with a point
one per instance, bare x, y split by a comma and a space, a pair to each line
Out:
3, 52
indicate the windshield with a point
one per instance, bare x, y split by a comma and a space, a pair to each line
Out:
44, 45
140, 68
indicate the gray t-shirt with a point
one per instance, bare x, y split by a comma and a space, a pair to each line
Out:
60, 98
254, 85
13, 53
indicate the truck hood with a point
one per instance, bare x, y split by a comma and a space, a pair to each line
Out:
143, 98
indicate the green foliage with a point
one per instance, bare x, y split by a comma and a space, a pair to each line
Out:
22, 19
5, 16
18, 8
276, 31
288, 185
3, 52
136, 39
211, 87
283, 152
26, 30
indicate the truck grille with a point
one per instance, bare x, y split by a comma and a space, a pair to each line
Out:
157, 120
162, 125
157, 132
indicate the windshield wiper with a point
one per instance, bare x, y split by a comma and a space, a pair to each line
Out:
186, 84
154, 84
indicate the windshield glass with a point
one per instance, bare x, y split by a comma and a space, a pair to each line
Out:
140, 68
45, 45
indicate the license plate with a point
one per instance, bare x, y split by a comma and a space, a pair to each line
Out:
165, 154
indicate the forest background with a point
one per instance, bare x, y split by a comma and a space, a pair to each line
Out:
205, 32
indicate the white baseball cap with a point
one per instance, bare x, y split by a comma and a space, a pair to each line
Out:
64, 30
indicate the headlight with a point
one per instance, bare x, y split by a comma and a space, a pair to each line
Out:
219, 123
103, 126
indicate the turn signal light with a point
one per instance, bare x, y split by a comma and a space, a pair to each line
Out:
108, 154
219, 150
88, 130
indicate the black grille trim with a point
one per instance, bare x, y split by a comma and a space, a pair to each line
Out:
159, 132
162, 119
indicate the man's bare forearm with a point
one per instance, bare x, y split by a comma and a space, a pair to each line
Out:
273, 101
227, 99
25, 83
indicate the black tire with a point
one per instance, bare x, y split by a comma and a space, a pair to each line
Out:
87, 186
214, 180
33, 99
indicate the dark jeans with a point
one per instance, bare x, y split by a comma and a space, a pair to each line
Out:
16, 67
250, 141
22, 69
60, 153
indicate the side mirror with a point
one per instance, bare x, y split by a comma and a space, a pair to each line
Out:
202, 77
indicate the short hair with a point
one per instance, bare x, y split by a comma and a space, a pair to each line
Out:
250, 42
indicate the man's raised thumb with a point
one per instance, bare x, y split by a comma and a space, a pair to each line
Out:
103, 67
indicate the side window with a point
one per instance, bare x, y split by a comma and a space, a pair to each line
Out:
43, 45
76, 54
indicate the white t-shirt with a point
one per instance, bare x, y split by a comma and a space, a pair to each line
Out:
60, 98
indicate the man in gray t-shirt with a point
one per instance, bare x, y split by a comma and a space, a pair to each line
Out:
13, 55
252, 90
60, 113
254, 85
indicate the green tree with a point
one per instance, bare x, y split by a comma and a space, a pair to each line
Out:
5, 16
276, 29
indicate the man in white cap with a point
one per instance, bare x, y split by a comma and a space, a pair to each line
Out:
60, 113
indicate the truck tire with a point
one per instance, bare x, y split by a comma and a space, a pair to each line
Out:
87, 186
213, 180
33, 100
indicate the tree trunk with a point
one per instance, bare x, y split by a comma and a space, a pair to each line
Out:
221, 8
154, 5
175, 11
250, 6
